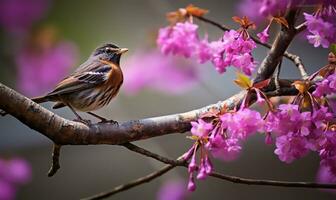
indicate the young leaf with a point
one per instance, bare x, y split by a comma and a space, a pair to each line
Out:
243, 81
196, 11
302, 86
281, 21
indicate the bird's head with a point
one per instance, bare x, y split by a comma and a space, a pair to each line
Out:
109, 52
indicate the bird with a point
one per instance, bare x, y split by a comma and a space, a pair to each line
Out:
92, 85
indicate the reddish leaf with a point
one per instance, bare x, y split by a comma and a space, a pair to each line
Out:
281, 21
261, 84
196, 11
302, 86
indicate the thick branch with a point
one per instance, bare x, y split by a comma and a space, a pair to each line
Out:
65, 132
280, 44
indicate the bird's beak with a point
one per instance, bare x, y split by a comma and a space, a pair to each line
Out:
123, 50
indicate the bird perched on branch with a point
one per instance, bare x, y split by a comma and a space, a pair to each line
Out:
92, 86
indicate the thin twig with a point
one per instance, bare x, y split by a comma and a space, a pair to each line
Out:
131, 184
183, 163
55, 165
299, 64
235, 179
239, 180
150, 154
255, 39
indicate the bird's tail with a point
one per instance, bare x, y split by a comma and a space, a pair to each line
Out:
40, 99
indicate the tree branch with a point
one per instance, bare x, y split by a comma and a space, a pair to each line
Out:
183, 163
280, 44
55, 160
65, 132
132, 184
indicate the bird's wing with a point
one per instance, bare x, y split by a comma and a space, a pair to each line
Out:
98, 73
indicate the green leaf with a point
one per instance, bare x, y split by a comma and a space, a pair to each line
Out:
243, 81
333, 48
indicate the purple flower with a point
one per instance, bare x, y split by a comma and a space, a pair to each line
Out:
191, 183
201, 128
264, 36
7, 191
18, 171
226, 149
325, 175
326, 86
13, 173
39, 71
179, 39
258, 10
288, 119
166, 74
321, 31
204, 51
172, 190
290, 147
242, 123
231, 49
17, 16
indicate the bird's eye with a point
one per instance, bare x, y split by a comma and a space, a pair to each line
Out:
109, 50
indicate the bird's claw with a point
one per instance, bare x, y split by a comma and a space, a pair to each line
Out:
84, 121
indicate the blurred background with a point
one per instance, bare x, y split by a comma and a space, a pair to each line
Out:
41, 41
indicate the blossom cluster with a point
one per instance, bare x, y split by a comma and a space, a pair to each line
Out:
322, 28
221, 139
233, 49
13, 173
298, 128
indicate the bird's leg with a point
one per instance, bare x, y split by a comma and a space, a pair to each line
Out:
103, 120
79, 118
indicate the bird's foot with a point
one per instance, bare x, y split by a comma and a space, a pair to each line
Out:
109, 121
84, 121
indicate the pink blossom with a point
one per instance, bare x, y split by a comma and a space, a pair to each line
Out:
13, 173
7, 191
326, 86
172, 190
167, 74
191, 183
201, 128
243, 123
226, 149
18, 16
290, 147
288, 119
179, 39
204, 51
324, 175
258, 10
321, 31
264, 36
244, 62
39, 71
